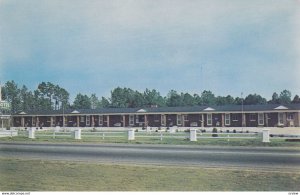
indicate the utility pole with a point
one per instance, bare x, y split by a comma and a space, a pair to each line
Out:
243, 121
63, 121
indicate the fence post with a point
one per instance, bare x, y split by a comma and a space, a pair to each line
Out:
193, 135
266, 135
131, 134
77, 134
31, 133
148, 129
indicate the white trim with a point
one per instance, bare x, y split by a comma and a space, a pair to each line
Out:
281, 108
100, 120
163, 120
279, 121
261, 119
209, 119
227, 119
141, 110
88, 120
209, 109
179, 120
131, 120
75, 112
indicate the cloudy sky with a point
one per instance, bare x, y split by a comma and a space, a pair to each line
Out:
93, 46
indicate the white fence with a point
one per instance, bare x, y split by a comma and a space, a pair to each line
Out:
133, 134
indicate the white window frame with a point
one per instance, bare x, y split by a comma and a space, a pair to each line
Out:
280, 114
100, 120
179, 119
88, 120
185, 117
163, 120
227, 119
137, 119
209, 119
131, 120
261, 118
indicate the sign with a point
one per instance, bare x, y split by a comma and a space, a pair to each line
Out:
4, 105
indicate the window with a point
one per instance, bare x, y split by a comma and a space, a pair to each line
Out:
234, 117
280, 118
131, 120
252, 117
156, 117
100, 120
185, 117
209, 119
163, 120
261, 120
88, 120
227, 119
290, 116
136, 119
82, 119
179, 119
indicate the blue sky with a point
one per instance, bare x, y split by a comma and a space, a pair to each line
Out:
92, 46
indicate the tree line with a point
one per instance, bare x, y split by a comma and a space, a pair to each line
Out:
49, 96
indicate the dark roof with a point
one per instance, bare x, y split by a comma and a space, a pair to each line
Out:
226, 108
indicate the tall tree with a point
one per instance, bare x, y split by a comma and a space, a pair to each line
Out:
94, 101
12, 95
285, 97
174, 99
253, 99
296, 100
187, 99
153, 98
104, 103
82, 102
197, 99
208, 98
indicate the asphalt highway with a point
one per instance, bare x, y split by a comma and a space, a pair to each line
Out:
270, 158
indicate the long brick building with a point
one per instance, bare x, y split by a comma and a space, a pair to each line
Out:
268, 115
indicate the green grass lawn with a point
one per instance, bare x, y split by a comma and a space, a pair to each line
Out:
39, 175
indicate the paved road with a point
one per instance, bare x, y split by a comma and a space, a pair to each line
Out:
243, 157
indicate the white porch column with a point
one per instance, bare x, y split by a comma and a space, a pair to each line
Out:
107, 118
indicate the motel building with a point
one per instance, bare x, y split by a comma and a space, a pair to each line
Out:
199, 117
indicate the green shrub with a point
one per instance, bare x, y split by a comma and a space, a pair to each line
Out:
215, 131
